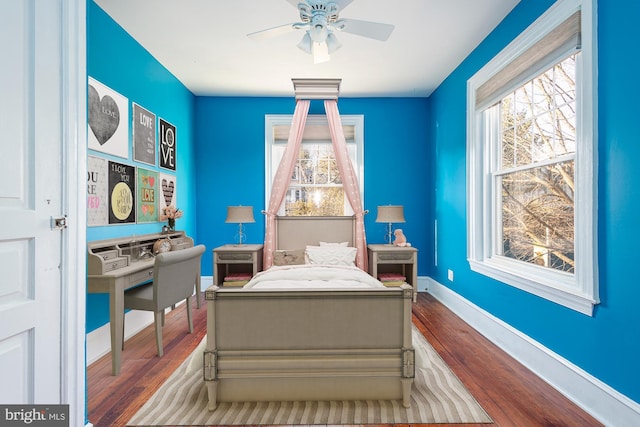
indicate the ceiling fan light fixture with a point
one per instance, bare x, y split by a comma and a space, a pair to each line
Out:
333, 43
320, 19
305, 43
320, 53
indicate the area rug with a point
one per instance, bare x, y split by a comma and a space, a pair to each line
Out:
437, 396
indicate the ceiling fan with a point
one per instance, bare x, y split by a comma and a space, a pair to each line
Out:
319, 19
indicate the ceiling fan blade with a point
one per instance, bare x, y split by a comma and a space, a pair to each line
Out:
373, 30
273, 32
342, 3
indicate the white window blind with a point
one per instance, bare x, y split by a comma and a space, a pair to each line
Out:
558, 43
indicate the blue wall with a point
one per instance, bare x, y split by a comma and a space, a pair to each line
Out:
115, 59
605, 345
414, 156
230, 166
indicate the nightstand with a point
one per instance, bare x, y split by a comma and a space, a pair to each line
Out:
396, 260
234, 260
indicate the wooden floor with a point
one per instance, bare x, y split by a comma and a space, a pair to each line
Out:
509, 393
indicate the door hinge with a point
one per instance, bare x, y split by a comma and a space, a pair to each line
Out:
59, 223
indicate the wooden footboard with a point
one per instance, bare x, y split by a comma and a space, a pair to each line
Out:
267, 345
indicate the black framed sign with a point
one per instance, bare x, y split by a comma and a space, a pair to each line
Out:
168, 144
122, 190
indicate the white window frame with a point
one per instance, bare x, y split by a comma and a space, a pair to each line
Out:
272, 120
577, 291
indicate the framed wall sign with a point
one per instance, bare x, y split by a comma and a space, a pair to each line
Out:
144, 135
122, 190
168, 190
97, 191
147, 191
168, 145
108, 120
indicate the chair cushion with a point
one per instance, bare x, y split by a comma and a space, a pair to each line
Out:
140, 297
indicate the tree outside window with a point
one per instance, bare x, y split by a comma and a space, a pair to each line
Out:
316, 187
536, 168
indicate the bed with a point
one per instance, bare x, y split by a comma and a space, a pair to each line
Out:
329, 340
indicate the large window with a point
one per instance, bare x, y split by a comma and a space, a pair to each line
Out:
534, 177
531, 161
316, 186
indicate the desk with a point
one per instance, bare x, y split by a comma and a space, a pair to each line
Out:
112, 269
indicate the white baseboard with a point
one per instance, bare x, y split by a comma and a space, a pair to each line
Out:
607, 405
205, 282
99, 340
423, 283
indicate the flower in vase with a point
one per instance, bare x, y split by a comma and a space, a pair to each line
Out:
170, 214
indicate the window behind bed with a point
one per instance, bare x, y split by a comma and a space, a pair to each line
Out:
316, 186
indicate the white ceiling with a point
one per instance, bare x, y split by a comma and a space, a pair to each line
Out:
204, 44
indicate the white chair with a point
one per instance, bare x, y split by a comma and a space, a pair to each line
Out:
174, 277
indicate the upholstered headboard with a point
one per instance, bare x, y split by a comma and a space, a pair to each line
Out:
296, 232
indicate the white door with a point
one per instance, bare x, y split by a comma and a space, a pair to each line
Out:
31, 141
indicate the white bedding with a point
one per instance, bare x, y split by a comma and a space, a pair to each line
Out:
313, 276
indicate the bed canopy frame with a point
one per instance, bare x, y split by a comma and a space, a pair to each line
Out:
305, 91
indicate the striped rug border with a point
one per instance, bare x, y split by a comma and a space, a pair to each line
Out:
437, 396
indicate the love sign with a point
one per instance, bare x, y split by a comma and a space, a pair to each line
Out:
168, 145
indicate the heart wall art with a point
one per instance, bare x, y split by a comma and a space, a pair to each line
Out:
108, 120
167, 189
147, 188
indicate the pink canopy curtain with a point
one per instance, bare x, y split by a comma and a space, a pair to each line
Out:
349, 179
283, 178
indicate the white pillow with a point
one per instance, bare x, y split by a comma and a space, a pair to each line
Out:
334, 244
331, 255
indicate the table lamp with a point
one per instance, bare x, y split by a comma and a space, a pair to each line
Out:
390, 214
240, 215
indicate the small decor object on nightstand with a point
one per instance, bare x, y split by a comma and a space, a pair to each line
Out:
236, 279
400, 239
392, 279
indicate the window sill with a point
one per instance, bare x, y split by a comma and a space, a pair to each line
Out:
561, 293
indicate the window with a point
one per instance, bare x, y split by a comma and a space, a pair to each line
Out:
531, 156
316, 186
534, 176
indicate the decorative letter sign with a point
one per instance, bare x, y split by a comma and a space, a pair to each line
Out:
147, 187
121, 190
97, 207
167, 145
144, 135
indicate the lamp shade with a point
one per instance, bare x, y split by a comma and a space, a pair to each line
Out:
332, 43
240, 214
390, 214
305, 43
